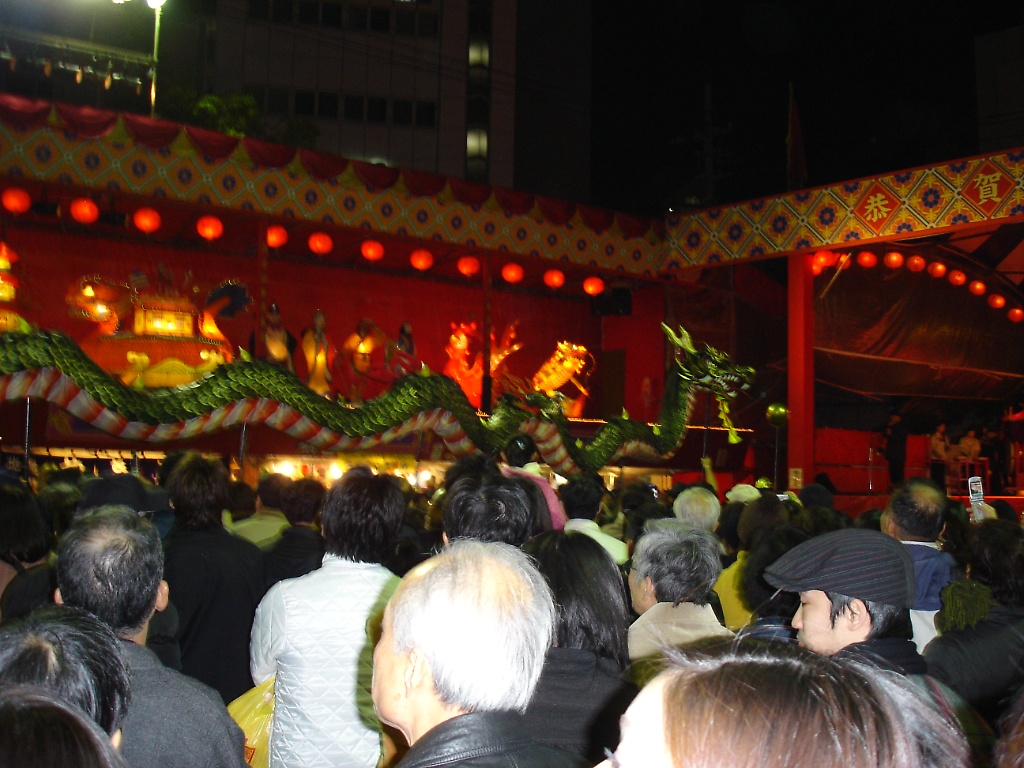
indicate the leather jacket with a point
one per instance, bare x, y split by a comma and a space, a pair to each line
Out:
485, 740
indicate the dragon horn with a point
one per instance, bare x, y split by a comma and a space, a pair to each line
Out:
682, 339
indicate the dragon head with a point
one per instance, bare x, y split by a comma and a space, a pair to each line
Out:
711, 370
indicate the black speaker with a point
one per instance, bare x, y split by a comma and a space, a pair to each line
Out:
617, 301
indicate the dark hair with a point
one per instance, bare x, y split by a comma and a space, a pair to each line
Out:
58, 502
476, 464
270, 489
871, 519
729, 522
819, 520
241, 500
539, 512
520, 450
39, 730
758, 516
197, 489
761, 597
1010, 748
24, 537
302, 500
635, 494
488, 508
163, 471
917, 508
637, 517
110, 563
581, 497
361, 516
886, 620
590, 600
74, 655
995, 552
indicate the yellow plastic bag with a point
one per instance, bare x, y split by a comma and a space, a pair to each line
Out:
253, 711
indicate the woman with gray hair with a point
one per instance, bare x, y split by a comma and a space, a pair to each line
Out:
674, 569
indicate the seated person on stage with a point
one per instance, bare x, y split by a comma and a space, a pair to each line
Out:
320, 354
110, 564
462, 649
273, 343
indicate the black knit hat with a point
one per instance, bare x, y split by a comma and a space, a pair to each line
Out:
854, 562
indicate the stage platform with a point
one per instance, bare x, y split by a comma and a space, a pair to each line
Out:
855, 505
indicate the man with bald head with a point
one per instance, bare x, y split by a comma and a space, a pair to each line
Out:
462, 648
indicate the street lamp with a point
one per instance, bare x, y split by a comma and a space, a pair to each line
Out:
158, 8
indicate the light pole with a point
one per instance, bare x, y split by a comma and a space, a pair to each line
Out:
158, 9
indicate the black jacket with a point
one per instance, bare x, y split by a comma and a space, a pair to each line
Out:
485, 740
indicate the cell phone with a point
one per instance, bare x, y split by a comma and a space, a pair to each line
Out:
977, 496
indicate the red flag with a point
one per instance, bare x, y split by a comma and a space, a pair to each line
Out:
796, 160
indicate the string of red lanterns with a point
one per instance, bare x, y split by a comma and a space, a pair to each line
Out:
915, 263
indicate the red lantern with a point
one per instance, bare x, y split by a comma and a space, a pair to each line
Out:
956, 277
893, 259
146, 220
977, 288
16, 200
916, 264
84, 210
824, 259
996, 301
209, 228
468, 266
320, 243
512, 272
421, 259
815, 270
1016, 314
937, 269
867, 259
372, 250
593, 286
276, 236
554, 278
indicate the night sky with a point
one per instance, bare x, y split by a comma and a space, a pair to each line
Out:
879, 86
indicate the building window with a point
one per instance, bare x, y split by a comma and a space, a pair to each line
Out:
357, 16
281, 11
355, 108
330, 14
376, 109
259, 9
405, 22
401, 112
479, 54
277, 101
309, 12
480, 17
427, 25
327, 106
476, 142
426, 114
305, 104
380, 20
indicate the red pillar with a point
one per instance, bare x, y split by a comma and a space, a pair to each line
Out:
800, 453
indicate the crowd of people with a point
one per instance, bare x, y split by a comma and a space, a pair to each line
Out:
503, 622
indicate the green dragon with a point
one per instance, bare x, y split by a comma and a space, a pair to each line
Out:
50, 366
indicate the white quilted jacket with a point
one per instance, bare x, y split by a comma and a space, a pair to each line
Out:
313, 633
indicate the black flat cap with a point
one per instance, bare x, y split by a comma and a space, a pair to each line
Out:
855, 562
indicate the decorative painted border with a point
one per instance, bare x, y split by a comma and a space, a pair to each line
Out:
958, 194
